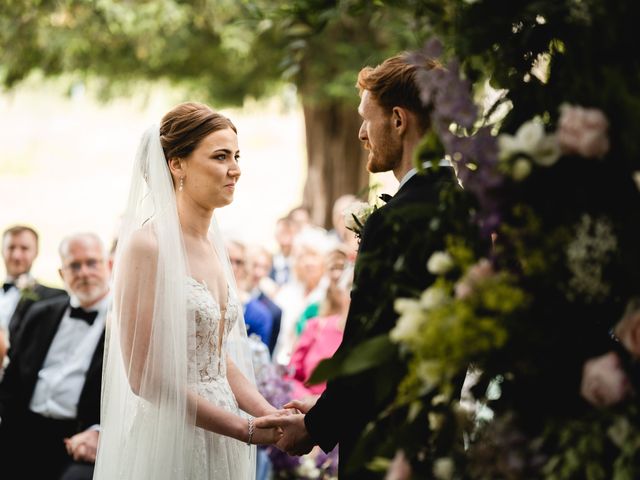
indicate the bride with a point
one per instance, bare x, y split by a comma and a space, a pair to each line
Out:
178, 395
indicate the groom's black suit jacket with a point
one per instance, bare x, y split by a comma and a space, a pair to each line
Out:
396, 243
40, 325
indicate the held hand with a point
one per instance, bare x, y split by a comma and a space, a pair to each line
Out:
296, 439
303, 405
83, 446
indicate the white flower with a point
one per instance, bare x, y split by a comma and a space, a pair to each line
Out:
547, 151
443, 468
432, 297
356, 214
531, 140
588, 254
308, 468
521, 169
25, 281
411, 319
526, 139
440, 263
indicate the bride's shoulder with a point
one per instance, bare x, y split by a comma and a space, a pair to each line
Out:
142, 244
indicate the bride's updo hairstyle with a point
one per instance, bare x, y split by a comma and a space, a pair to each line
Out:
185, 125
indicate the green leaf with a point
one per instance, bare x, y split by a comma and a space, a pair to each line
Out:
369, 354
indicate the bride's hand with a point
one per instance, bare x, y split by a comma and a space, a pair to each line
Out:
267, 436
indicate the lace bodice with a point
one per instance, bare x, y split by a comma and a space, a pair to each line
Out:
210, 358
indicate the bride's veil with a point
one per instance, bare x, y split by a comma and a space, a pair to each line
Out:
150, 373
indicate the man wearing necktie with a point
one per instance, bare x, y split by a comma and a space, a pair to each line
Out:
51, 389
19, 250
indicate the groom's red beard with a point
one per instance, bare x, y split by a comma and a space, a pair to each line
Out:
385, 155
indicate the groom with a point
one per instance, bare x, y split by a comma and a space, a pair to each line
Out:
397, 240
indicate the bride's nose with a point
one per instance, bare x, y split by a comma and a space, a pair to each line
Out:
235, 171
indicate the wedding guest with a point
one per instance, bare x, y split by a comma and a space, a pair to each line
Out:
340, 231
51, 389
262, 288
395, 119
335, 261
281, 266
20, 289
300, 217
256, 316
307, 287
323, 334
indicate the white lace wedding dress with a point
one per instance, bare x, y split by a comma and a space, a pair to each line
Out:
216, 457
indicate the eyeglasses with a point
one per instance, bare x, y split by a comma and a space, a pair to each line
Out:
237, 261
91, 264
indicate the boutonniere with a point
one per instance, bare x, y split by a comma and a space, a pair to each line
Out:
27, 286
356, 215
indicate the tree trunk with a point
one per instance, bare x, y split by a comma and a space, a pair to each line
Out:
335, 158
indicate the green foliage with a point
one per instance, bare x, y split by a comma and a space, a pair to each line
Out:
225, 50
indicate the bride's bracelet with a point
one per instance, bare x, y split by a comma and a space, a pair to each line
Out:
251, 429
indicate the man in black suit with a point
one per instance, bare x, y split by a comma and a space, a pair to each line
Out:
51, 389
20, 290
396, 242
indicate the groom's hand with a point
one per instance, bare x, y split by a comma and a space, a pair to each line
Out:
303, 405
296, 439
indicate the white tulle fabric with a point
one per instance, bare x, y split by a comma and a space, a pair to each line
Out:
165, 350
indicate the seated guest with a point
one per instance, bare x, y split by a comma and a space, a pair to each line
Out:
51, 388
308, 286
261, 288
20, 289
323, 335
280, 271
256, 316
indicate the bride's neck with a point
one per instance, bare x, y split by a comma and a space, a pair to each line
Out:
194, 220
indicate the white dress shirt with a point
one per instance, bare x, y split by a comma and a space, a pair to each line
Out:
426, 166
8, 302
63, 373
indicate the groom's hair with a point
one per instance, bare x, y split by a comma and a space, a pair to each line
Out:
186, 125
393, 84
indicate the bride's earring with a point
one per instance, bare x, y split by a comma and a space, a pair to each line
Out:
181, 184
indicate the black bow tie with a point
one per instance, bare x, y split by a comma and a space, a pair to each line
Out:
82, 314
385, 197
6, 286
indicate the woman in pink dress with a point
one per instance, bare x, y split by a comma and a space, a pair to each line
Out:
322, 335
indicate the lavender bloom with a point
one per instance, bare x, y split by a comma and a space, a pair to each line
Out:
475, 155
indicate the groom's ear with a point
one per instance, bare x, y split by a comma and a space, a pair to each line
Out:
399, 120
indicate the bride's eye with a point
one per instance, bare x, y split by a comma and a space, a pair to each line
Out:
237, 158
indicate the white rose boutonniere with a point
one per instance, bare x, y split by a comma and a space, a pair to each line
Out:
27, 284
355, 216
